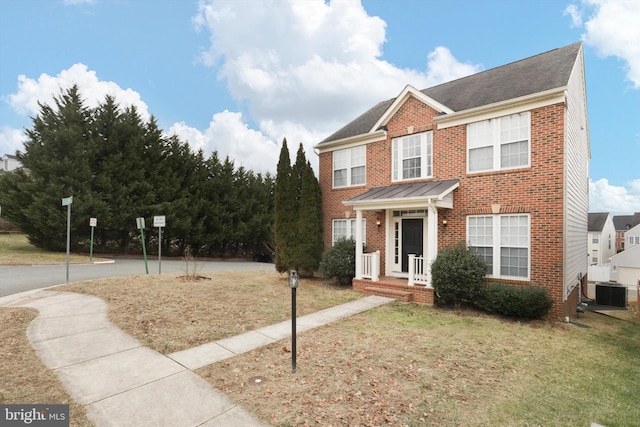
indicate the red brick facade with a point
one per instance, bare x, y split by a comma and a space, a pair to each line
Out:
537, 190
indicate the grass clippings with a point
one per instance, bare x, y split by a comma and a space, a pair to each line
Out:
24, 378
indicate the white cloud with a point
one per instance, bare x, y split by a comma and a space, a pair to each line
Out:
575, 13
11, 140
332, 72
613, 29
30, 91
604, 197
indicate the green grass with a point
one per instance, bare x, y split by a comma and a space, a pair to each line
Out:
15, 249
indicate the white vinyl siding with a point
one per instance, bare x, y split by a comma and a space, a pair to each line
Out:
346, 228
503, 241
349, 167
412, 156
501, 143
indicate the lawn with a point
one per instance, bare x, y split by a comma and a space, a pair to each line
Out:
399, 364
15, 249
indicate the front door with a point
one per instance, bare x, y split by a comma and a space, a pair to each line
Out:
412, 240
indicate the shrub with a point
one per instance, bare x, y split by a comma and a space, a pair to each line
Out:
339, 261
515, 301
457, 275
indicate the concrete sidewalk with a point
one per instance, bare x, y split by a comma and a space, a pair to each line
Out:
123, 383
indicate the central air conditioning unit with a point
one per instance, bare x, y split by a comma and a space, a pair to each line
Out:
611, 294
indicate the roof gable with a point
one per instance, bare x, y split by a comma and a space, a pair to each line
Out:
539, 73
407, 92
597, 220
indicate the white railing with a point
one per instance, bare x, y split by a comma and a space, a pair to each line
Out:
371, 266
417, 272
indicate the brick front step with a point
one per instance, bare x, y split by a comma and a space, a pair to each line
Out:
391, 293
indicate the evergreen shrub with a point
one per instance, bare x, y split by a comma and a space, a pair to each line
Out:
529, 302
339, 261
457, 275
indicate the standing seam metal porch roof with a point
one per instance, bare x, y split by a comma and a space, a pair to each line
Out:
423, 190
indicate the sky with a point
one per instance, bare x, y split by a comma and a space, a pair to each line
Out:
238, 76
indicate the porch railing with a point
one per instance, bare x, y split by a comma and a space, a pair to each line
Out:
371, 266
417, 272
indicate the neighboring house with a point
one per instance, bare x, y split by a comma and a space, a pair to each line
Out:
9, 163
623, 223
498, 159
600, 243
625, 266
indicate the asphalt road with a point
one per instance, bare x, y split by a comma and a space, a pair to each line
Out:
15, 279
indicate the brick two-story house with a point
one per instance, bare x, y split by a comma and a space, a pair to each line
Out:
498, 159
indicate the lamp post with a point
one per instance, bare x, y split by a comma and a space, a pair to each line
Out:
293, 283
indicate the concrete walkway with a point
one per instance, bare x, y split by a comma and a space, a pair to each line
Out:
122, 383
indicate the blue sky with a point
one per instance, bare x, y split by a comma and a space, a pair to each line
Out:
238, 76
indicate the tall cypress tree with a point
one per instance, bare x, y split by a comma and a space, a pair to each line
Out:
310, 244
284, 212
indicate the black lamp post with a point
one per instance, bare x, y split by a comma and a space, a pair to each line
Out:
293, 283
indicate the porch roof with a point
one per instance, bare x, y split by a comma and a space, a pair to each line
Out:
406, 195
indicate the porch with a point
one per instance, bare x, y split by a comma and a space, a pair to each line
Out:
414, 288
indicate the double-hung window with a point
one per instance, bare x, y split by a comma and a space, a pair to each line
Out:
346, 228
412, 156
501, 143
503, 242
349, 166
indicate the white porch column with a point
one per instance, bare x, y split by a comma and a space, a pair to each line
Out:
358, 244
432, 239
412, 269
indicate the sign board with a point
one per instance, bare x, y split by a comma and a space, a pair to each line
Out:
93, 222
67, 201
140, 223
159, 221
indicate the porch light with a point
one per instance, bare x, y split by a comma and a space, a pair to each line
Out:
444, 222
378, 222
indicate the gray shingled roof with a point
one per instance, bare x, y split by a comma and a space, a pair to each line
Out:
404, 191
626, 222
535, 74
596, 221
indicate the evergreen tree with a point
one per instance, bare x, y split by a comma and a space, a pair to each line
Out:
57, 162
310, 244
284, 212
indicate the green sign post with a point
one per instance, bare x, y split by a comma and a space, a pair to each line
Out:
67, 201
140, 223
92, 223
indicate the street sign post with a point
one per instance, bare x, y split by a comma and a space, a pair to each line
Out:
67, 201
159, 221
140, 224
92, 223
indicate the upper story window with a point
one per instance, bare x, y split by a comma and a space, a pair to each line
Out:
501, 143
412, 156
349, 166
595, 238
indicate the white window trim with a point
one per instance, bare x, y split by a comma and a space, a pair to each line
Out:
349, 166
494, 124
496, 245
426, 143
349, 222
